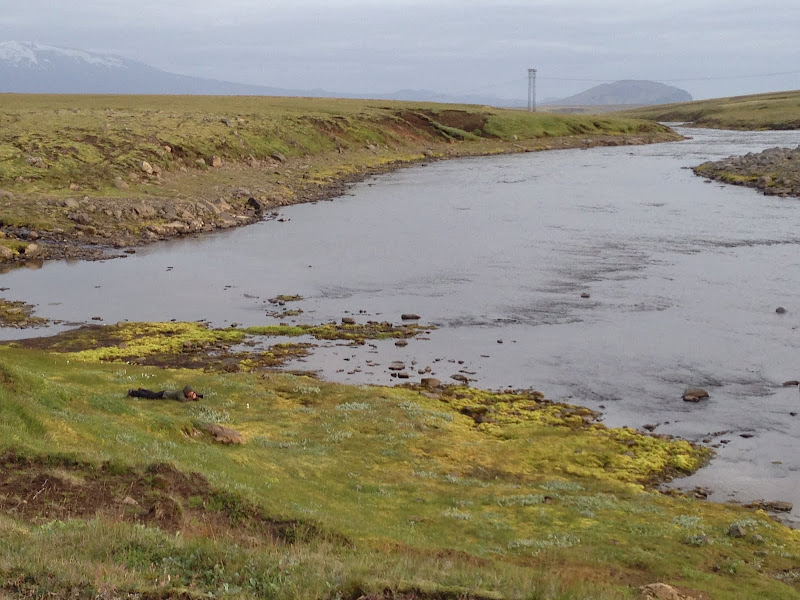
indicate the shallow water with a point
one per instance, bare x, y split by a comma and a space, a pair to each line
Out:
684, 277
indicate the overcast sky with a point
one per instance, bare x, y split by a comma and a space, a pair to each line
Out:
709, 48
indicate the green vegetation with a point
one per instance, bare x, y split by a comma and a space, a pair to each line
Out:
778, 110
343, 491
194, 345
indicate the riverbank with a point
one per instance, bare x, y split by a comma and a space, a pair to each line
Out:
84, 176
757, 112
775, 172
285, 486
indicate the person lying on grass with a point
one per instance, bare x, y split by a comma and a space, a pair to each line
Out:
187, 394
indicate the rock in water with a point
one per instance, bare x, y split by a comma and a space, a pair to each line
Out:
694, 394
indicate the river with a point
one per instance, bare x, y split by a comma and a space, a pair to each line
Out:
683, 278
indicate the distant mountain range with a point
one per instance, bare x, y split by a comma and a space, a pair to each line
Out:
28, 67
628, 91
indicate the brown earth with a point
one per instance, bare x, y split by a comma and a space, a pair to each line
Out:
45, 489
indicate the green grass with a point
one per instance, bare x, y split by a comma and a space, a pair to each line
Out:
778, 110
394, 489
90, 140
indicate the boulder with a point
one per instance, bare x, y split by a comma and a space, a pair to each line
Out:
772, 505
32, 250
80, 217
278, 156
736, 530
6, 253
348, 321
662, 591
223, 435
397, 366
120, 184
256, 205
430, 382
409, 317
146, 167
216, 161
71, 203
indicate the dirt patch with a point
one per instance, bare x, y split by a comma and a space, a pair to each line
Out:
45, 489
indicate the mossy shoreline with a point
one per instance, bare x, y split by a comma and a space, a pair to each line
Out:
342, 491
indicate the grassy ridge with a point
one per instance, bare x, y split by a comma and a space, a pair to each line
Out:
90, 140
343, 491
778, 110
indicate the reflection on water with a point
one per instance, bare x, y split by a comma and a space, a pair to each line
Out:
612, 277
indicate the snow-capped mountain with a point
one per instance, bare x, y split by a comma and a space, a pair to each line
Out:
28, 67
31, 68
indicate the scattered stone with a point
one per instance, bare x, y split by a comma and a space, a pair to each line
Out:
401, 343
661, 591
780, 310
403, 375
397, 366
200, 162
430, 382
649, 426
6, 253
736, 530
256, 205
223, 435
499, 341
36, 162
460, 377
146, 167
348, 321
694, 394
773, 505
278, 156
409, 317
74, 187
71, 203
757, 539
120, 184
216, 161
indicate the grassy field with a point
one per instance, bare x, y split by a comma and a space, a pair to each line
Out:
121, 165
778, 110
342, 491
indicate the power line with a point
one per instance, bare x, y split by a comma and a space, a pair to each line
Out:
705, 78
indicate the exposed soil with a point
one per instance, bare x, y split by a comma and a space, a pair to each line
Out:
44, 489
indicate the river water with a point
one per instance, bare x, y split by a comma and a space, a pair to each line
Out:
683, 277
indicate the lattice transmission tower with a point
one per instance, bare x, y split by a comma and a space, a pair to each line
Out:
532, 90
